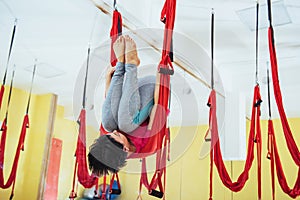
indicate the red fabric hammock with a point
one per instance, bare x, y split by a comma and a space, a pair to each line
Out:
159, 132
159, 127
275, 161
12, 177
84, 178
216, 154
116, 29
159, 140
292, 146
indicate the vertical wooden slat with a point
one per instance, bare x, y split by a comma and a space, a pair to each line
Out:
49, 134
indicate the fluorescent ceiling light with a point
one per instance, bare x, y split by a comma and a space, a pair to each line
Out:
280, 16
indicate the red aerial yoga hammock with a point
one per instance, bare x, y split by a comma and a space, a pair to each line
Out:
159, 140
273, 155
7, 62
12, 177
278, 97
272, 147
254, 137
162, 134
84, 178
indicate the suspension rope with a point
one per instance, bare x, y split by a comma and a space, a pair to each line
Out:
85, 79
212, 47
269, 96
10, 91
10, 50
115, 4
256, 42
269, 12
31, 85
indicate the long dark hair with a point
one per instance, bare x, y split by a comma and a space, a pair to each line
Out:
106, 155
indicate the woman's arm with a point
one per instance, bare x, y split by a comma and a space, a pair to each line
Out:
156, 95
108, 77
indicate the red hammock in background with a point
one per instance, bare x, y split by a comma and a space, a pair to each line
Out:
85, 179
275, 159
216, 154
254, 135
20, 147
291, 144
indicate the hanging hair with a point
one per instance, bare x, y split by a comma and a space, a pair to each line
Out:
106, 155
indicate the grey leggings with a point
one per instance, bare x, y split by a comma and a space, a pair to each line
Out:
129, 100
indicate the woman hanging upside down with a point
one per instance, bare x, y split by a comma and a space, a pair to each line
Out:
125, 112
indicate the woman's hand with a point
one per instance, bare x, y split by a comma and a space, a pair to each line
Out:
109, 74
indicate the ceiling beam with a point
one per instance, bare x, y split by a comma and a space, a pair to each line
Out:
108, 10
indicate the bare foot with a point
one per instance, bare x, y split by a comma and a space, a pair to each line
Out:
131, 56
119, 49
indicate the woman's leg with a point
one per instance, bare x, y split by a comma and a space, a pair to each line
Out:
111, 103
136, 101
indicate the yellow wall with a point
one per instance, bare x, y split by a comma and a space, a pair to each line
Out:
29, 168
31, 160
188, 177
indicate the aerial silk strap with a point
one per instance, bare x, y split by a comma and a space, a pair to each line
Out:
160, 174
73, 193
291, 144
7, 63
115, 31
168, 18
270, 154
217, 154
159, 127
112, 190
20, 147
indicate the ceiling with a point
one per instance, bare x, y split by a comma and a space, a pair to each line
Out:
58, 32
